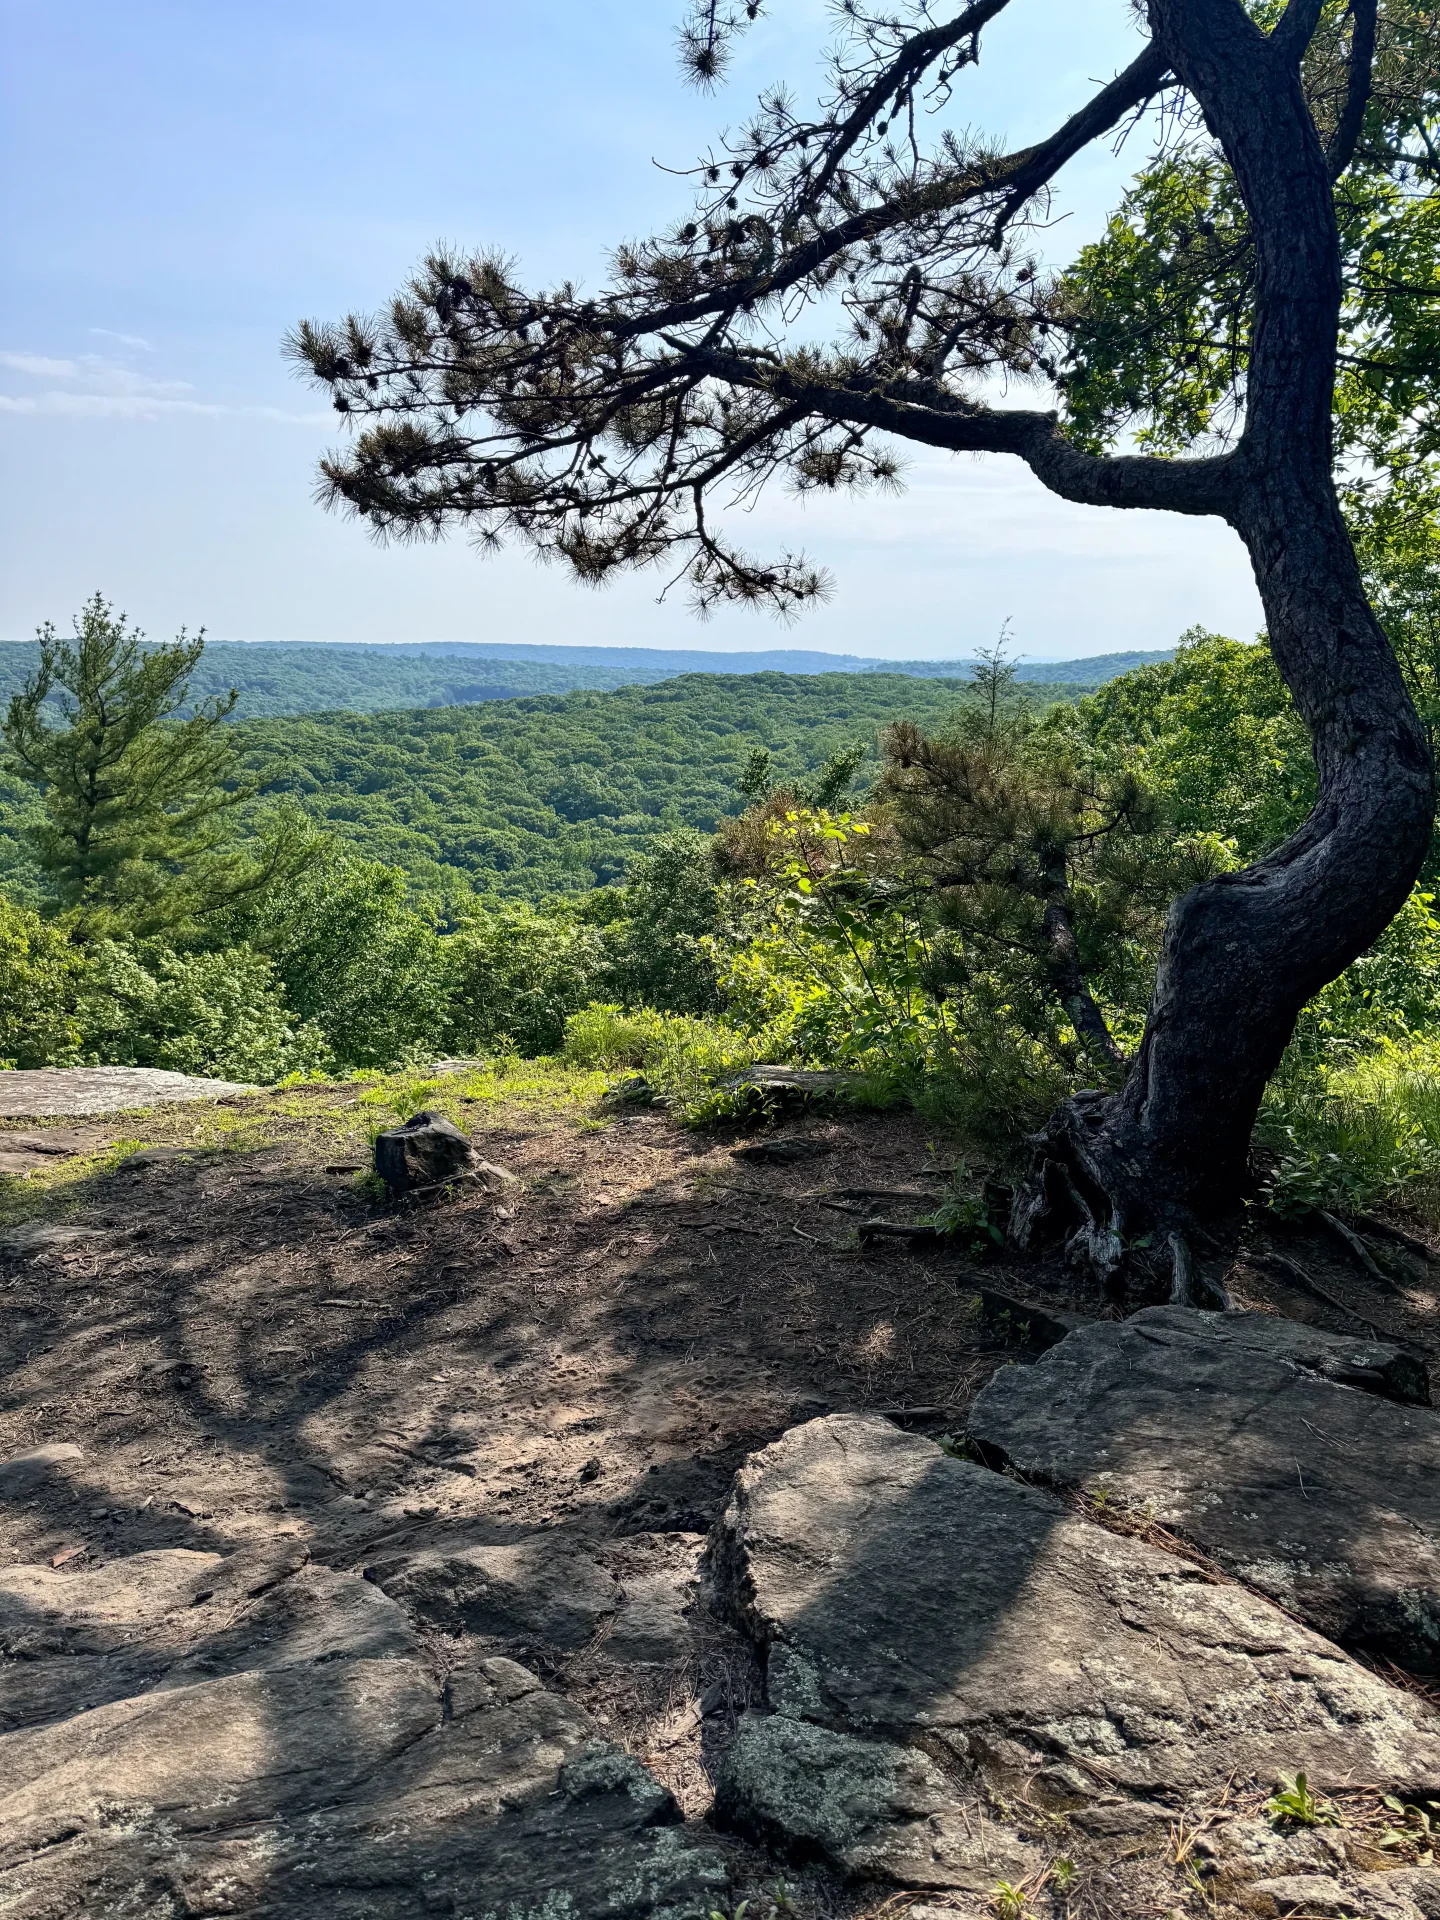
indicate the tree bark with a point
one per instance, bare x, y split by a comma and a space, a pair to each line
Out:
1243, 953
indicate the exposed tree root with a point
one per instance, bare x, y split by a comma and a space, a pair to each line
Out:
1296, 1276
1383, 1230
1355, 1246
1065, 1194
1190, 1287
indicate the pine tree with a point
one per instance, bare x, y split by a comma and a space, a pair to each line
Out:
137, 793
610, 427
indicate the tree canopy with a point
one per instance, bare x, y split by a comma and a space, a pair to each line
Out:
611, 429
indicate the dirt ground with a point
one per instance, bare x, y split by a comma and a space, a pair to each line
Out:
253, 1345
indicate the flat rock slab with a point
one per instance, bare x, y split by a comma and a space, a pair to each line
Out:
81, 1090
266, 1739
1237, 1431
22, 1154
902, 1596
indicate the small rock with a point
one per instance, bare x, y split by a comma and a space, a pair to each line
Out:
712, 1699
154, 1157
425, 1151
493, 1178
23, 1471
783, 1150
633, 1091
591, 1469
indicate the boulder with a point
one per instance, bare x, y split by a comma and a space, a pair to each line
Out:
154, 1157
904, 1598
425, 1151
780, 1087
1274, 1447
279, 1746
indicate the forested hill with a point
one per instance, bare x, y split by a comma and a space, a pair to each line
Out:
278, 679
530, 797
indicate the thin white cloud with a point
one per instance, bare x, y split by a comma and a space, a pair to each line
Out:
133, 406
40, 365
103, 389
123, 339
106, 377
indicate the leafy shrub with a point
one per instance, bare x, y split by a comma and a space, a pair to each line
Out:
1353, 1115
1354, 1135
687, 1058
141, 1004
515, 975
657, 948
1215, 731
39, 969
356, 960
606, 1035
691, 1059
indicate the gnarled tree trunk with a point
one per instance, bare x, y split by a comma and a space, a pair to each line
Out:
1244, 952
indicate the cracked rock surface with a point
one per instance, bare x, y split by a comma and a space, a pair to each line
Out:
193, 1734
1271, 1446
914, 1607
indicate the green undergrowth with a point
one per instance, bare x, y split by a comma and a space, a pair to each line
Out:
1357, 1135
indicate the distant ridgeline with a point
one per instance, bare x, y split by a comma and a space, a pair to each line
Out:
276, 678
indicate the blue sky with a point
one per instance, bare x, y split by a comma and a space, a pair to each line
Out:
184, 180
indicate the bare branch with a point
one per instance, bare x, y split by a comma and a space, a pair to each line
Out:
1037, 166
926, 413
1295, 28
1346, 137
